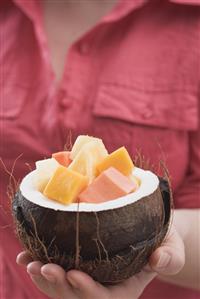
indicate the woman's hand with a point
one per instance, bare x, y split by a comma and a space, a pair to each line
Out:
52, 280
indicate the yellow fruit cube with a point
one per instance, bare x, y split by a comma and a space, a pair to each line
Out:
80, 142
135, 179
88, 157
65, 185
118, 159
44, 171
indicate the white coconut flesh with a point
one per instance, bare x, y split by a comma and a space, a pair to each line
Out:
149, 183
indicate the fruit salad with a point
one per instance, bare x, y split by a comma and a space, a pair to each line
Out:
87, 173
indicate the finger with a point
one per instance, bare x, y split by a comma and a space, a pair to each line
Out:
43, 285
53, 273
56, 276
86, 286
50, 279
169, 259
34, 268
23, 258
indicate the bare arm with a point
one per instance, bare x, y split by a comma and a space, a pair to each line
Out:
187, 223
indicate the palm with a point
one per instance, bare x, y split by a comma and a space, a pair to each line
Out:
52, 280
61, 288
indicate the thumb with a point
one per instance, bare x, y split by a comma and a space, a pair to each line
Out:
85, 286
169, 258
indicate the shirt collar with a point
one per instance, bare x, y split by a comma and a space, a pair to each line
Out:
122, 8
187, 2
30, 8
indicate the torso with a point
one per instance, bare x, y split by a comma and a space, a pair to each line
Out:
135, 84
66, 21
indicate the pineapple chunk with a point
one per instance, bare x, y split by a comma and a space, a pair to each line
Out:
118, 159
135, 179
80, 142
88, 157
65, 185
44, 170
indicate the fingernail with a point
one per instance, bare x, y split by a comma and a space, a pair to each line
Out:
28, 271
164, 260
31, 273
49, 277
72, 282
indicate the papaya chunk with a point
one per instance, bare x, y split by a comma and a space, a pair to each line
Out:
62, 158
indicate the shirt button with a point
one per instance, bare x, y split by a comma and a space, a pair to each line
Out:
147, 113
84, 48
63, 99
65, 103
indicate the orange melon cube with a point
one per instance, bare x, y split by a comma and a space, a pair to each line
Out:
118, 159
109, 185
62, 158
65, 185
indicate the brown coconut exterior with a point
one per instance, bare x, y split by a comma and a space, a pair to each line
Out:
109, 245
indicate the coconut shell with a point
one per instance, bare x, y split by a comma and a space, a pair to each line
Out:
109, 245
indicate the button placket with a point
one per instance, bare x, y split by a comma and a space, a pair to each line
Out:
63, 98
76, 78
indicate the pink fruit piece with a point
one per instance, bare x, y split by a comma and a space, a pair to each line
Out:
109, 185
62, 158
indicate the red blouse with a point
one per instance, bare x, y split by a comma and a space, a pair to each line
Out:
131, 80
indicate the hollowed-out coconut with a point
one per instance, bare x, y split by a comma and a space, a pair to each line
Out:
110, 241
